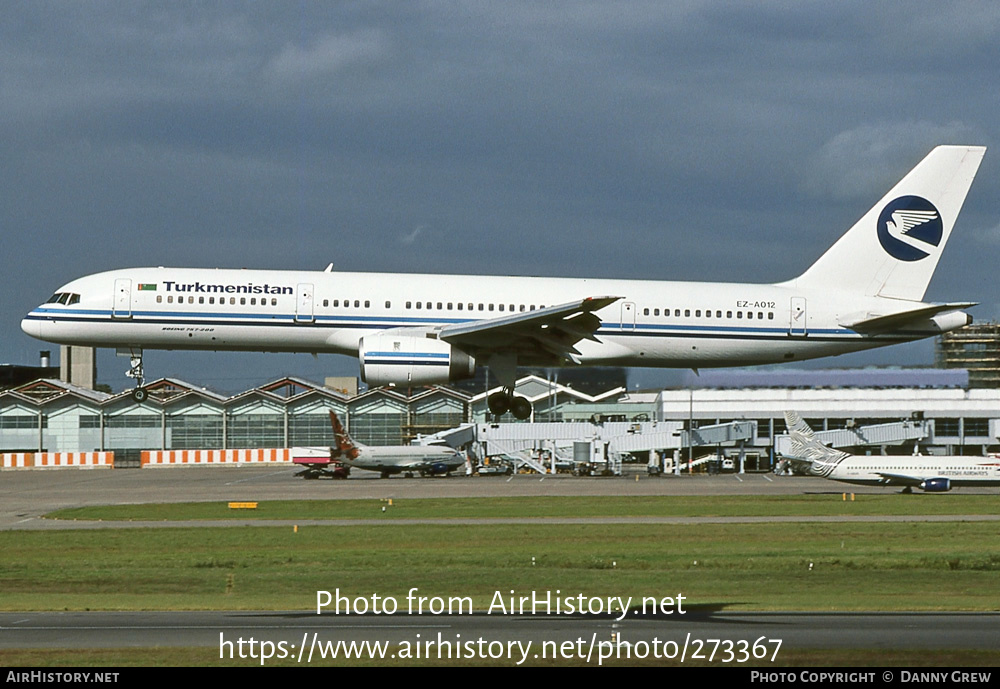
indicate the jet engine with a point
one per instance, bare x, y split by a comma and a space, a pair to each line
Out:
412, 360
936, 485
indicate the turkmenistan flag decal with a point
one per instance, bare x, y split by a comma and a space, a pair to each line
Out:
143, 286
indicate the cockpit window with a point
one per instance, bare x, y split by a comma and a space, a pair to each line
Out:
67, 298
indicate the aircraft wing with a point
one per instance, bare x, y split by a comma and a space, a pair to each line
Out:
900, 479
874, 323
543, 335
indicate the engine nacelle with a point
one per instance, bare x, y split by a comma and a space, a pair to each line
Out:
388, 359
936, 485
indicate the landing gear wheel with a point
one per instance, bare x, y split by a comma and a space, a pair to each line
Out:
140, 395
520, 408
499, 403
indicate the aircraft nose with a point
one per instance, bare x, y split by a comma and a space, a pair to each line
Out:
32, 327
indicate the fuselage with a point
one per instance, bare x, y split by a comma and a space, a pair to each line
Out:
653, 323
890, 470
396, 459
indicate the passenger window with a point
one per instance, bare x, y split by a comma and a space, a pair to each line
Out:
357, 303
677, 312
326, 303
449, 305
388, 305
718, 314
201, 300
491, 307
170, 299
770, 315
439, 306
729, 314
409, 304
501, 307
274, 301
687, 313
697, 313
368, 303
243, 301
232, 301
645, 312
159, 298
739, 314
253, 301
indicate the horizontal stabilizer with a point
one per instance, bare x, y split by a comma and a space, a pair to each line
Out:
875, 323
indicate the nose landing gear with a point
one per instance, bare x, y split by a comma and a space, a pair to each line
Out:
139, 393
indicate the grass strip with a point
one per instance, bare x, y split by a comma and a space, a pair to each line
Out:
826, 504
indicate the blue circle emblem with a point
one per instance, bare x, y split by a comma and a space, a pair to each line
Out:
909, 227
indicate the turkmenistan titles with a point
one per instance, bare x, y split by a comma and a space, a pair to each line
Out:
248, 288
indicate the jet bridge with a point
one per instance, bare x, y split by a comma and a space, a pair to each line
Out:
860, 436
608, 441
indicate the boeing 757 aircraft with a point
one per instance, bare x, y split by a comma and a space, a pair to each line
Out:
934, 474
866, 291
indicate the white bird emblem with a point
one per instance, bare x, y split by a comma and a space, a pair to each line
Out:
903, 222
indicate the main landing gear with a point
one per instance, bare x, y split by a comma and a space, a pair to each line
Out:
502, 402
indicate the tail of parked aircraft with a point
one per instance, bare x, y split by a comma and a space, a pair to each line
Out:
893, 250
342, 442
805, 447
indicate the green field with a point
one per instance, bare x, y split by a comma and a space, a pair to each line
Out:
887, 504
836, 566
880, 565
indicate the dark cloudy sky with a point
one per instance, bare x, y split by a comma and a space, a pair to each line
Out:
681, 140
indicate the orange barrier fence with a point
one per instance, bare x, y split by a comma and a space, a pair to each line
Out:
162, 458
55, 460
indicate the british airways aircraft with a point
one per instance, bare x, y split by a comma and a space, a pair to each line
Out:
933, 474
866, 291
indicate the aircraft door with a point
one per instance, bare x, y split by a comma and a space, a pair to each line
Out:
304, 303
628, 315
121, 305
797, 325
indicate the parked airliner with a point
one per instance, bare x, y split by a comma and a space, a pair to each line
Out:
865, 291
934, 474
427, 460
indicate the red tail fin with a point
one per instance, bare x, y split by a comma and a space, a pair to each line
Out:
342, 442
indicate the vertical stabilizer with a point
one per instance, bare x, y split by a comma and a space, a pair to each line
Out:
806, 447
893, 250
342, 442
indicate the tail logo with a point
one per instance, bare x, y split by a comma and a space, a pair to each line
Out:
909, 227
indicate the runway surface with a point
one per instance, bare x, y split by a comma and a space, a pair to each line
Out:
696, 629
27, 495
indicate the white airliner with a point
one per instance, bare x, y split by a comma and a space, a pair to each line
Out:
929, 473
866, 291
427, 460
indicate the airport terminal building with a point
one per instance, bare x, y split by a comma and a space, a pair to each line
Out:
53, 416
